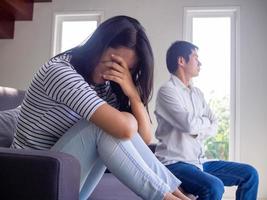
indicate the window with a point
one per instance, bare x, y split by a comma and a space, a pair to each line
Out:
214, 31
71, 30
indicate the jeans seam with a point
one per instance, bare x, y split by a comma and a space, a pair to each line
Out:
218, 174
140, 169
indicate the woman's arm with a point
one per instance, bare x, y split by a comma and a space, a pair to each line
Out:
64, 85
118, 124
142, 117
119, 73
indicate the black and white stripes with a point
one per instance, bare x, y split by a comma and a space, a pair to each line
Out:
56, 99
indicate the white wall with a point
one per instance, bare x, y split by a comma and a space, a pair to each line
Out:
31, 47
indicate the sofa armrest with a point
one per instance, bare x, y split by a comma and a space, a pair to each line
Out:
35, 174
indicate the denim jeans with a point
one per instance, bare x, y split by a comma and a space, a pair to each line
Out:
209, 183
131, 161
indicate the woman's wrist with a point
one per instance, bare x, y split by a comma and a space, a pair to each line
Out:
134, 97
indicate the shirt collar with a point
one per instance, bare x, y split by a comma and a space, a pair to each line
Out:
177, 82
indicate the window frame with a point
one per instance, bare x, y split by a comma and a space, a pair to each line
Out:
234, 14
60, 17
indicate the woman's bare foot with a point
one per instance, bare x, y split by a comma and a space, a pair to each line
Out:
170, 196
178, 193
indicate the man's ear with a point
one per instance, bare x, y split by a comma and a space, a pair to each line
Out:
180, 61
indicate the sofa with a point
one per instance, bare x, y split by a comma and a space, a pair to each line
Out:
44, 175
32, 174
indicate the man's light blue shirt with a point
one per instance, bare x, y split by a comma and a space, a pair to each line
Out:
184, 122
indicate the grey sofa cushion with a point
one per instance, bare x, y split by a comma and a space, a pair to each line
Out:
110, 188
8, 122
10, 98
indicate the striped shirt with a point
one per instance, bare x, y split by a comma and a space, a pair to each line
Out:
57, 98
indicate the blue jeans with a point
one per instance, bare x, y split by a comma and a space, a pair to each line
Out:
209, 183
131, 161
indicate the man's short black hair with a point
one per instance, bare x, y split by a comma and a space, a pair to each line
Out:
176, 50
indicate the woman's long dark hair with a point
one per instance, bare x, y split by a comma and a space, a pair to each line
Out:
119, 31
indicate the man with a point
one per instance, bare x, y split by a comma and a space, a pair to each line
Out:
184, 122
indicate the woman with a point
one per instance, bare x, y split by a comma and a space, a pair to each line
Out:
90, 102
